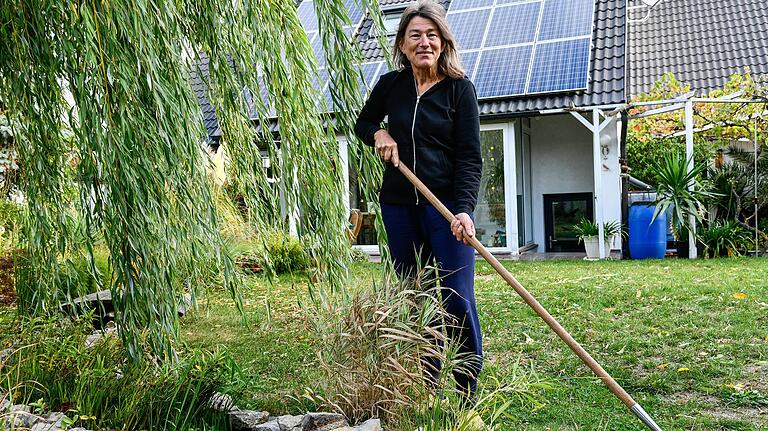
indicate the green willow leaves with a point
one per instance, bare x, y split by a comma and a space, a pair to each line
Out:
102, 92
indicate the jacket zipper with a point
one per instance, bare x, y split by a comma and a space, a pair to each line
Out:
413, 139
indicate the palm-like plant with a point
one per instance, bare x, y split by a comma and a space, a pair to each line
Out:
672, 190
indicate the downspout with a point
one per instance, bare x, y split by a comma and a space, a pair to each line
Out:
623, 143
624, 182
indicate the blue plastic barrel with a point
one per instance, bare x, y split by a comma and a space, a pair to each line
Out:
646, 240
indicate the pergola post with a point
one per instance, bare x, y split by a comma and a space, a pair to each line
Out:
596, 171
692, 252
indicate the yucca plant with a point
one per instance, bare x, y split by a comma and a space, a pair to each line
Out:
672, 182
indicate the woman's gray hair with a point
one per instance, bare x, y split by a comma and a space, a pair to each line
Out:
449, 63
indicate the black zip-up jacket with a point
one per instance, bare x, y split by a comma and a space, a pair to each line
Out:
437, 135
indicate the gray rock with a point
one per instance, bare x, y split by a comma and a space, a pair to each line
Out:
5, 354
272, 425
185, 305
289, 423
222, 403
246, 420
4, 403
20, 408
55, 419
322, 422
19, 416
369, 425
91, 340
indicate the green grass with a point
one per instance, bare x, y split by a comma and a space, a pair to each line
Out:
646, 322
672, 332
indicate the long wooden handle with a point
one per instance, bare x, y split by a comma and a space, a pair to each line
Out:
527, 297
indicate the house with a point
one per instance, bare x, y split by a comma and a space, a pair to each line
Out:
550, 75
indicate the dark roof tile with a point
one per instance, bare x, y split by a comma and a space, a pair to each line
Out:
703, 42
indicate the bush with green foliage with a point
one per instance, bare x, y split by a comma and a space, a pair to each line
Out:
97, 387
725, 238
284, 252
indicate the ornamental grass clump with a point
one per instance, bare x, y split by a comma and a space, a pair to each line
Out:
373, 346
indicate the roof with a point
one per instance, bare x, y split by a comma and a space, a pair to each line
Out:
200, 88
703, 42
607, 69
607, 81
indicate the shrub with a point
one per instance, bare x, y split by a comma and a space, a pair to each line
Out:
277, 252
724, 238
285, 253
359, 255
98, 388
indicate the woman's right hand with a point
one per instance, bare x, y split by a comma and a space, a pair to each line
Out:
386, 147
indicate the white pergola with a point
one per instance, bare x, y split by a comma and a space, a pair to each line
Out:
608, 112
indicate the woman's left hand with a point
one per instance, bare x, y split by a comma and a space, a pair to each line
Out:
463, 227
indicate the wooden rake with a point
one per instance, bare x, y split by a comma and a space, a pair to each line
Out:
541, 311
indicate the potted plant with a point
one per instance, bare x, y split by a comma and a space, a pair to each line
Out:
588, 232
672, 191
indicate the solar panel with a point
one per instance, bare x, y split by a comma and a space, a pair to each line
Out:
317, 47
519, 24
560, 66
469, 60
370, 75
525, 46
469, 27
509, 2
502, 72
470, 4
566, 18
355, 11
307, 16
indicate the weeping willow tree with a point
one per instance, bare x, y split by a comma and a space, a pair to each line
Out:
101, 90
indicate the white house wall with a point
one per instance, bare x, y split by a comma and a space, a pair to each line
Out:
561, 162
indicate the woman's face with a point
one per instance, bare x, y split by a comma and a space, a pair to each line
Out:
422, 43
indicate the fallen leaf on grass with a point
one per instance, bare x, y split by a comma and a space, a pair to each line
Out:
639, 294
740, 295
683, 369
662, 366
737, 387
609, 310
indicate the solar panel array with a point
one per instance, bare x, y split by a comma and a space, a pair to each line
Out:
371, 71
518, 47
508, 47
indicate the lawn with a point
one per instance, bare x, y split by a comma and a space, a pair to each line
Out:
687, 339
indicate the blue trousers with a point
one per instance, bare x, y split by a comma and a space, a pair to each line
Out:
418, 235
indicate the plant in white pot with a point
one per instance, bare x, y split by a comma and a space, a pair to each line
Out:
588, 232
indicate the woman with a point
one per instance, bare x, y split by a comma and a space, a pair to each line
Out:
434, 129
